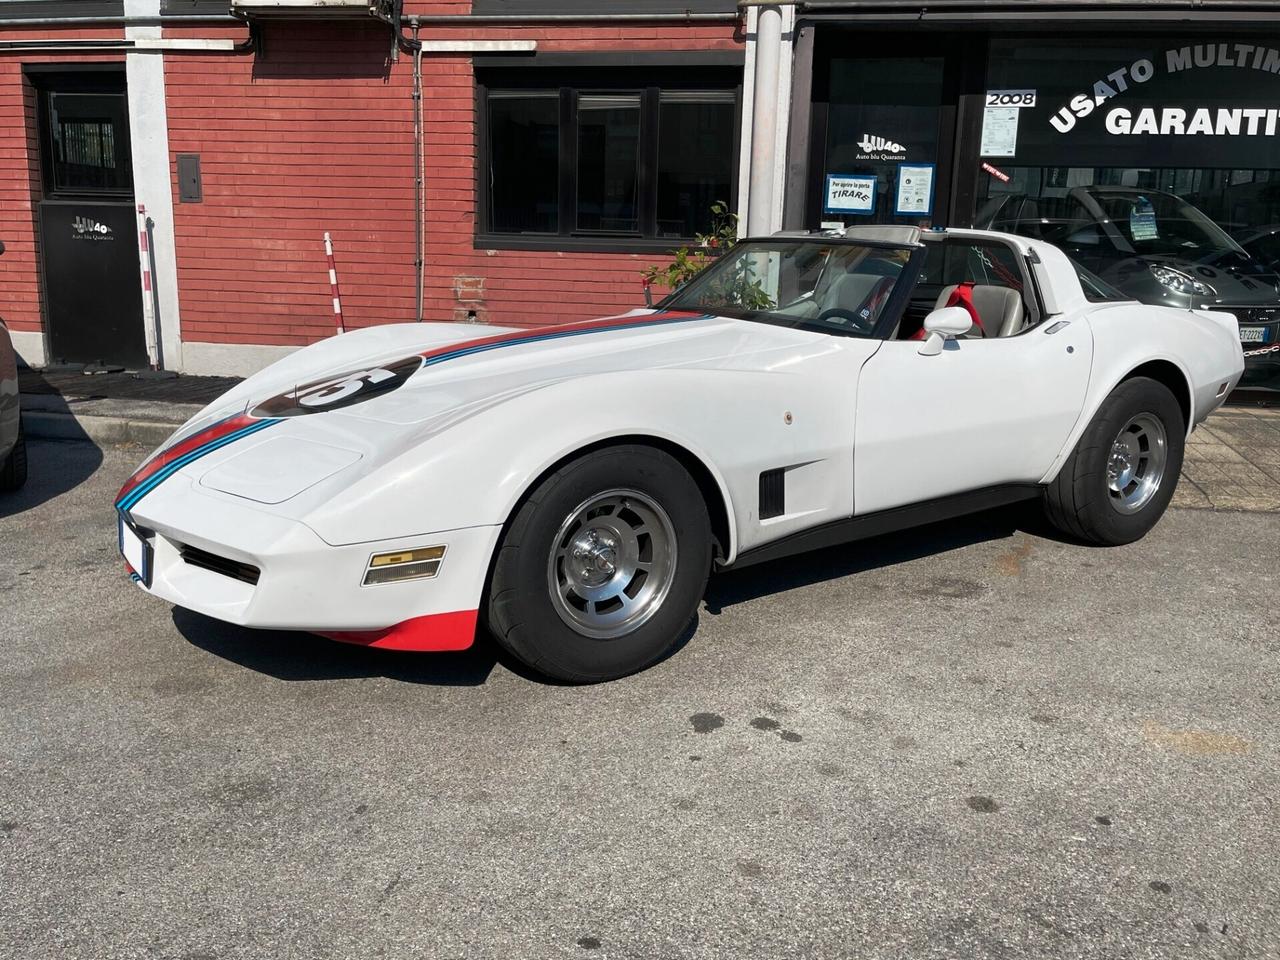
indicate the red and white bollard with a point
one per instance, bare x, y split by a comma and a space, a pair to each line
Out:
333, 285
148, 297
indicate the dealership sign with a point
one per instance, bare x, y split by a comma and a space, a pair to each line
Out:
1123, 105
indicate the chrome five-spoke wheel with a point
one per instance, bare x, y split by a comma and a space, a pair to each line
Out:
1136, 463
612, 563
603, 565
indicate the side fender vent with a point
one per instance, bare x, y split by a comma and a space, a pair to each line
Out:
773, 493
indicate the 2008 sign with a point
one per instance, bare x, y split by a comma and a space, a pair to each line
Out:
1011, 98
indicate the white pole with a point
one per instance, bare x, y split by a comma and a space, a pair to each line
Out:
764, 121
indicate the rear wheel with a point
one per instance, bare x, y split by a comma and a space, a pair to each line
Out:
13, 472
1119, 479
603, 566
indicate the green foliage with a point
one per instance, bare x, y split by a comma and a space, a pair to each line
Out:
739, 289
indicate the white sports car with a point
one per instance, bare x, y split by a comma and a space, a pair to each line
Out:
572, 487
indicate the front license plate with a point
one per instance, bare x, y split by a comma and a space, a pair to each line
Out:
136, 550
1253, 334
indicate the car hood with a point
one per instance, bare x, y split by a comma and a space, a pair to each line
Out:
356, 402
443, 369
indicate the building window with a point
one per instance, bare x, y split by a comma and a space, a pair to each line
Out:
524, 177
585, 166
608, 164
87, 150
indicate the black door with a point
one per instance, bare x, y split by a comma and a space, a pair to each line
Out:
88, 228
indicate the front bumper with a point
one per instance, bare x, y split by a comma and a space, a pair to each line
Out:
303, 583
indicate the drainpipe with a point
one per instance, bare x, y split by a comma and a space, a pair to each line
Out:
419, 176
764, 114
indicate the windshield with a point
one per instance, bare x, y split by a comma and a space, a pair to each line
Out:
1159, 224
831, 286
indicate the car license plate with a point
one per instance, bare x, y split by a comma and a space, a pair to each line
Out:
1253, 334
136, 550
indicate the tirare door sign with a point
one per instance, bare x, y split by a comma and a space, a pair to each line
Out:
850, 194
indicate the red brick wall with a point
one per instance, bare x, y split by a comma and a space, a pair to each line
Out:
20, 175
316, 135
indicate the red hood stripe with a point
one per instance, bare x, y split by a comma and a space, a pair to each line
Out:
540, 333
214, 431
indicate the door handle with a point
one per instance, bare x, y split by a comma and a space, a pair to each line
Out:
1054, 328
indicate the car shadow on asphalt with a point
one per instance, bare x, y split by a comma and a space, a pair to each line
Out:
832, 563
54, 467
291, 655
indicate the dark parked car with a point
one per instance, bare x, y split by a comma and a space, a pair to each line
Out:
1158, 248
13, 449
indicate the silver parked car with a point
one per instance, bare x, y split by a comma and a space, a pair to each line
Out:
13, 448
1158, 248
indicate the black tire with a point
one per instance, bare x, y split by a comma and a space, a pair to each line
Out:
1079, 501
13, 473
521, 611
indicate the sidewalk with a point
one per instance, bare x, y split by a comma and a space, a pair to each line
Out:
112, 407
1232, 461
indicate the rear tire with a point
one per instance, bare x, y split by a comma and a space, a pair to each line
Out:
13, 473
602, 567
1119, 479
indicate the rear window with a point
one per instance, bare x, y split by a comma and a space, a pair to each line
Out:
1097, 290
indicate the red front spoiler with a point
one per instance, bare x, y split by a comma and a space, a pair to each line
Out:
437, 632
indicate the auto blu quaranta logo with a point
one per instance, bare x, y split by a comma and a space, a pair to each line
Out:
86, 228
875, 147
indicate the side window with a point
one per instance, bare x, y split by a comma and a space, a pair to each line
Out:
998, 279
980, 262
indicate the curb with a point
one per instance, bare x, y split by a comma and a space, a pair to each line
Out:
43, 425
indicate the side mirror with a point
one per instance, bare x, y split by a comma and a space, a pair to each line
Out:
946, 323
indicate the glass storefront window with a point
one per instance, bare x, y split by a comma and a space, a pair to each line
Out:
884, 113
1154, 163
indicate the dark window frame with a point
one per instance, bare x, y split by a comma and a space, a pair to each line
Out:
598, 79
94, 79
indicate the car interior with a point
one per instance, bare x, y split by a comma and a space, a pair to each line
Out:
846, 286
983, 276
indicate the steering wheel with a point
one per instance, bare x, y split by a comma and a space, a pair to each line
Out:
846, 318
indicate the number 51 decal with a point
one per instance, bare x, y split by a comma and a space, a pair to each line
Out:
341, 391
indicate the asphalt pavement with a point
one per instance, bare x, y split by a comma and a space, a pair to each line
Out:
974, 740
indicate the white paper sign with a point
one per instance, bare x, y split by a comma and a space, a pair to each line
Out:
915, 189
851, 194
999, 132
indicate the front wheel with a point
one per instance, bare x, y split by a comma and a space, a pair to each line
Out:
1119, 479
603, 566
